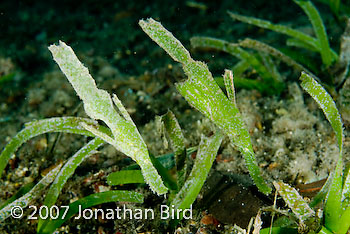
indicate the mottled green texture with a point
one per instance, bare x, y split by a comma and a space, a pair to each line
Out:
67, 171
233, 49
275, 27
29, 197
202, 92
278, 230
298, 38
125, 177
98, 105
270, 83
38, 127
165, 174
320, 31
205, 157
336, 208
263, 47
343, 224
325, 101
49, 226
177, 141
294, 201
324, 230
333, 206
166, 40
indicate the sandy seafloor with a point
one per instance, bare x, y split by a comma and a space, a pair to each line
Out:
292, 139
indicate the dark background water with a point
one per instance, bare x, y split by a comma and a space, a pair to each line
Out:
110, 29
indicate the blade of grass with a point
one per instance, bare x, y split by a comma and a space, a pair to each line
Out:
98, 105
271, 66
49, 226
167, 178
320, 31
277, 28
245, 83
177, 142
202, 92
344, 222
35, 128
301, 44
333, 206
205, 157
167, 160
240, 67
279, 230
23, 190
28, 198
272, 83
231, 48
260, 46
125, 177
322, 194
325, 101
302, 57
67, 171
324, 230
317, 44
